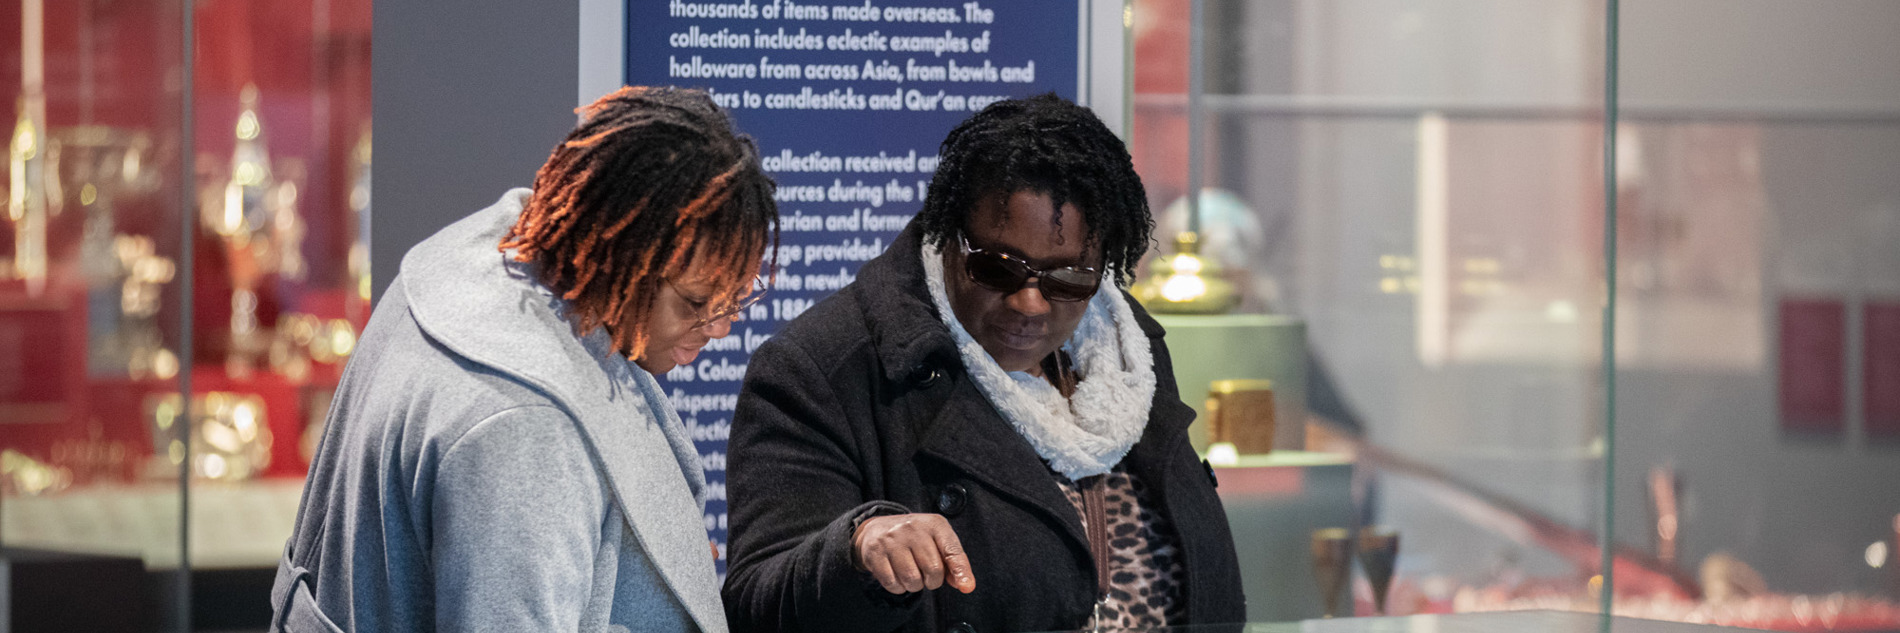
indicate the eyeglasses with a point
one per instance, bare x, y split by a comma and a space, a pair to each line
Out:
1007, 274
731, 313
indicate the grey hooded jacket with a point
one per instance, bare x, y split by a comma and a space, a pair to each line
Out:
485, 469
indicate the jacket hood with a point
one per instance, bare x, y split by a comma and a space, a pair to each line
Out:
465, 295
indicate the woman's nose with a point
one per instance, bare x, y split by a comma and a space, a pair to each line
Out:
1028, 301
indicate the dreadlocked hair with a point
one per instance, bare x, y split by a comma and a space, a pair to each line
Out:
654, 180
1052, 146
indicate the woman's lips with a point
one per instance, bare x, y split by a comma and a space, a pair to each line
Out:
684, 355
1018, 340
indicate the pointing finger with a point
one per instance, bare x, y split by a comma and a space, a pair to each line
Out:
956, 563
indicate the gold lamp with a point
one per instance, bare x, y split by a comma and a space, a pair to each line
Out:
1186, 283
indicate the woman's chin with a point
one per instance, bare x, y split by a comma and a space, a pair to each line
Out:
656, 365
1013, 359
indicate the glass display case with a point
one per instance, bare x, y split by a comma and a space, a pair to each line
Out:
1419, 185
182, 277
1758, 269
1421, 188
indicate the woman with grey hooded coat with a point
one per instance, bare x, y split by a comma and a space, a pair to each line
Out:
498, 456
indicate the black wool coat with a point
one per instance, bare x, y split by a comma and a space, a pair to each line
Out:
862, 406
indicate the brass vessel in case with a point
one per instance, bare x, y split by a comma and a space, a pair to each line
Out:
1241, 412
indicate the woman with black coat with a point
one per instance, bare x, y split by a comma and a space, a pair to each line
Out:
982, 432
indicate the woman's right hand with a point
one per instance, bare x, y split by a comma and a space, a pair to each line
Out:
912, 552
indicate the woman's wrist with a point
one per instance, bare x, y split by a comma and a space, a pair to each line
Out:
867, 512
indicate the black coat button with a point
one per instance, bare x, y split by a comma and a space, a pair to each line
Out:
962, 627
952, 499
1210, 473
923, 376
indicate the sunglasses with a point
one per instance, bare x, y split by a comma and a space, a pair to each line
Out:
1007, 274
731, 313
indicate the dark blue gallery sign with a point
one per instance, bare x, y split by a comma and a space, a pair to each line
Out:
848, 102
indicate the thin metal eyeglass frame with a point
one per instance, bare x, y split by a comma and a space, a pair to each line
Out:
759, 289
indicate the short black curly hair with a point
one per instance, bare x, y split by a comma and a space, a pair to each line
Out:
1052, 146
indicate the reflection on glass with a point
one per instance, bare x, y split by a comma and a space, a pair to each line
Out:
1757, 269
1757, 253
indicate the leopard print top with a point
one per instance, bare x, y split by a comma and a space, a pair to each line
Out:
1145, 589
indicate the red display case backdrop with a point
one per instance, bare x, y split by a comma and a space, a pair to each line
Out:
294, 74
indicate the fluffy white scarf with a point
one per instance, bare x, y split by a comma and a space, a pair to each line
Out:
1087, 434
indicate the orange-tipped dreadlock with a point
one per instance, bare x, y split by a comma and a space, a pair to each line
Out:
654, 184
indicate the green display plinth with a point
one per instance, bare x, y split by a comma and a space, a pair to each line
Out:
1273, 503
1221, 347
